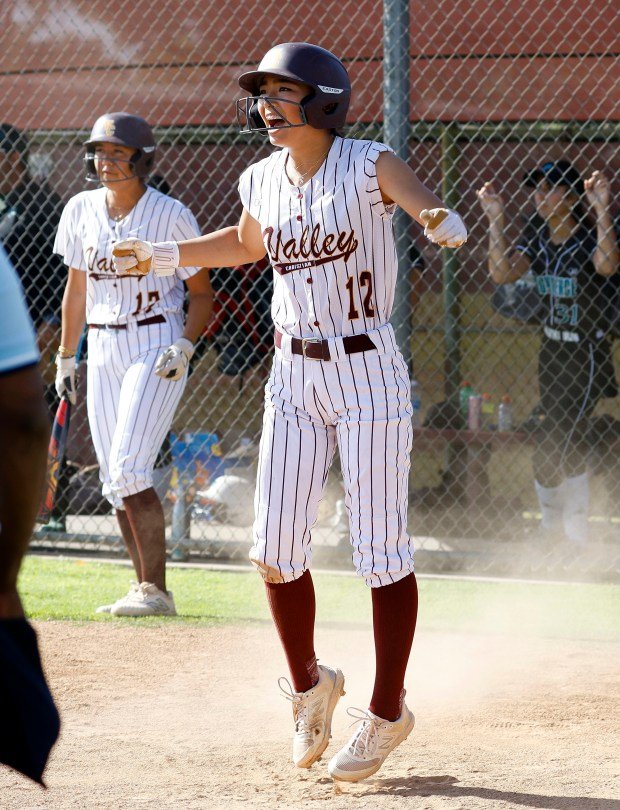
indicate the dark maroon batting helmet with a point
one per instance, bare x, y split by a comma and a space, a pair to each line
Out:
127, 130
326, 106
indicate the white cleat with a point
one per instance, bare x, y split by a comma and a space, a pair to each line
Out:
145, 600
368, 748
108, 608
312, 712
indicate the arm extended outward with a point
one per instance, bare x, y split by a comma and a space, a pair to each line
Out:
228, 247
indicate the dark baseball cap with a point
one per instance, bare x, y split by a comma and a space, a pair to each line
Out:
13, 139
560, 173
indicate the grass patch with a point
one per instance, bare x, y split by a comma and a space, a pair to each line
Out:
66, 589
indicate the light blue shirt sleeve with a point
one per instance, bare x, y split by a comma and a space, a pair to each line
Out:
18, 345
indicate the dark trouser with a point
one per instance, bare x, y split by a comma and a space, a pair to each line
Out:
572, 378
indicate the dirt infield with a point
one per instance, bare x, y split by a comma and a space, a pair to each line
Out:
178, 717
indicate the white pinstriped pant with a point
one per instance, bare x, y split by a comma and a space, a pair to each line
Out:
130, 409
361, 401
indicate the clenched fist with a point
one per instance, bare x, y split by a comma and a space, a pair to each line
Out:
597, 189
444, 227
491, 202
172, 364
134, 257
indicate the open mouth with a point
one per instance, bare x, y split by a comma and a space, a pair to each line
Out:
264, 114
274, 122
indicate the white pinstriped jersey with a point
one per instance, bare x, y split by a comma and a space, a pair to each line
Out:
330, 242
85, 238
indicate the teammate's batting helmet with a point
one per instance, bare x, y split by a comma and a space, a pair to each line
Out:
127, 130
325, 107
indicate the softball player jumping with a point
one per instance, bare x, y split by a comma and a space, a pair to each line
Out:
320, 207
138, 346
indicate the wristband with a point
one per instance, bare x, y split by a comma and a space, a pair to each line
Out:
186, 346
165, 258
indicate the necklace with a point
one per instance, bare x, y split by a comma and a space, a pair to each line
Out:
302, 177
116, 212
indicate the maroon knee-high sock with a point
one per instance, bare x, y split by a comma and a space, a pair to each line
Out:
394, 614
293, 608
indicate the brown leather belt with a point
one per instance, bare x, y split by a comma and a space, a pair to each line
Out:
145, 322
316, 349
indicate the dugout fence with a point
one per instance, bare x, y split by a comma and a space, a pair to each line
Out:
469, 92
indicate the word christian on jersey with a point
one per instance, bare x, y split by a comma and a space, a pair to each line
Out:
309, 249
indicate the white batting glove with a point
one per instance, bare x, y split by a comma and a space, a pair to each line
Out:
65, 378
134, 257
172, 364
444, 227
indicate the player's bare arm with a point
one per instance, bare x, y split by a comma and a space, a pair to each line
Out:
607, 256
73, 309
399, 184
24, 433
503, 269
200, 304
228, 247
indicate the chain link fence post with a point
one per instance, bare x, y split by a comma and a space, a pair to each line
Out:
396, 131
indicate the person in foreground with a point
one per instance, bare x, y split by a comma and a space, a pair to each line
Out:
320, 208
29, 724
139, 344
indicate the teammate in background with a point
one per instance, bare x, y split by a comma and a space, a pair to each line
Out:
30, 722
138, 346
320, 207
29, 214
571, 262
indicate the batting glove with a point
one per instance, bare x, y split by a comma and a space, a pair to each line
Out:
172, 364
133, 257
65, 378
444, 227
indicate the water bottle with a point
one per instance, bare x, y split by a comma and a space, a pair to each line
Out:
504, 414
487, 412
474, 412
416, 404
465, 392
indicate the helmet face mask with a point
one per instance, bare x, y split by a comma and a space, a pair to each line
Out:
326, 105
123, 129
250, 119
91, 169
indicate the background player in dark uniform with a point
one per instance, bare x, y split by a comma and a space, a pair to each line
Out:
571, 262
29, 214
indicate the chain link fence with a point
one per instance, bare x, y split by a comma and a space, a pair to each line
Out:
495, 90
